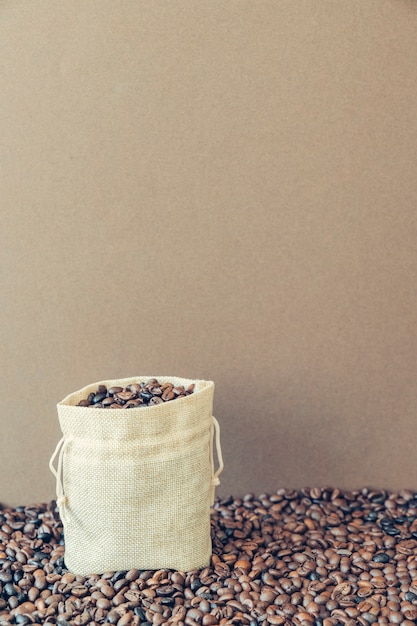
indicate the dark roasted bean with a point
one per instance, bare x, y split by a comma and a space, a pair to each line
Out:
314, 557
410, 596
10, 589
381, 557
135, 395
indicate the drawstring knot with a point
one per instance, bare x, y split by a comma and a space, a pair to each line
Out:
61, 501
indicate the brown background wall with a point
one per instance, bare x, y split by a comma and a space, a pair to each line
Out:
221, 190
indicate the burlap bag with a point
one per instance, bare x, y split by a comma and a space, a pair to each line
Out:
134, 487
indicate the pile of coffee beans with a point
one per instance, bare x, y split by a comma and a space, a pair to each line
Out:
311, 557
135, 395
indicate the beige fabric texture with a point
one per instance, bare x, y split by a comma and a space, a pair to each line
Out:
134, 487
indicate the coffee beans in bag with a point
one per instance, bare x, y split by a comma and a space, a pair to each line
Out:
135, 474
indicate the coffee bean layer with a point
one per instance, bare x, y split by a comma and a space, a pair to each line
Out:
135, 395
312, 557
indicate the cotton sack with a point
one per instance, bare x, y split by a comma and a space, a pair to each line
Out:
135, 486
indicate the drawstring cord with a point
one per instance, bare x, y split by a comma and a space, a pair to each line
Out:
61, 498
215, 434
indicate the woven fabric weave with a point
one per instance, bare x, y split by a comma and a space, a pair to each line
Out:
137, 483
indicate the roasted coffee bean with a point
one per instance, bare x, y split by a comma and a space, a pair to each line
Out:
113, 617
155, 400
165, 590
381, 557
125, 396
131, 404
107, 591
277, 559
99, 397
132, 575
410, 596
135, 395
113, 390
6, 576
10, 589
